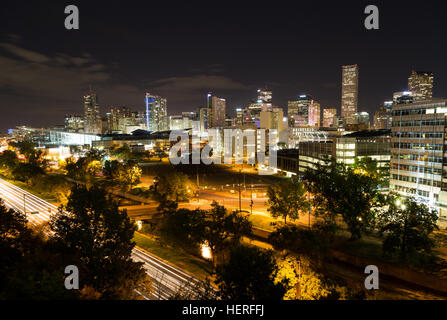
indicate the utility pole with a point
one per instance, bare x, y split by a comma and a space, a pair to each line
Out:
299, 279
251, 202
239, 185
245, 188
310, 206
197, 173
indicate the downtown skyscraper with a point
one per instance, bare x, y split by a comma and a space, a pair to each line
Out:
420, 83
156, 113
92, 118
304, 111
329, 117
216, 111
349, 92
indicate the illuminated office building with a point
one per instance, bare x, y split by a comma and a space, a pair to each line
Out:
314, 114
420, 83
217, 114
272, 120
374, 144
156, 113
362, 118
383, 117
328, 117
203, 118
298, 110
188, 118
73, 123
349, 92
115, 118
264, 96
176, 122
92, 119
418, 165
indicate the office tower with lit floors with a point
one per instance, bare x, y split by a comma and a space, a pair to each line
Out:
298, 110
420, 83
156, 113
92, 118
328, 117
349, 92
418, 168
216, 107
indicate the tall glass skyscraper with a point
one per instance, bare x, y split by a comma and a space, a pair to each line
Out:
349, 92
156, 113
92, 119
216, 106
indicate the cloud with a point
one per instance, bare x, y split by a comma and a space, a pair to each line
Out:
39, 88
198, 83
24, 53
35, 74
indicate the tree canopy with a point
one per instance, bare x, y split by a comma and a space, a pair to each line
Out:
249, 274
100, 235
337, 190
287, 199
407, 226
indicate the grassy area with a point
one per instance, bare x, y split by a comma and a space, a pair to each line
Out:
194, 265
262, 222
212, 175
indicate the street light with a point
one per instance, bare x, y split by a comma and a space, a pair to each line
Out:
251, 201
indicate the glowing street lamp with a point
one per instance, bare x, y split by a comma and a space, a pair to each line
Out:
206, 250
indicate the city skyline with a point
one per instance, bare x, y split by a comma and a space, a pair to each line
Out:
224, 152
56, 70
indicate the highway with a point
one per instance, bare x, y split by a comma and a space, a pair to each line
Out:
166, 279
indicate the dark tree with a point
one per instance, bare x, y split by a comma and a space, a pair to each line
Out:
313, 243
407, 226
338, 190
287, 199
183, 228
100, 235
26, 171
8, 161
30, 268
221, 227
249, 275
174, 186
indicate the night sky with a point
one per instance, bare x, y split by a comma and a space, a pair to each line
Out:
182, 50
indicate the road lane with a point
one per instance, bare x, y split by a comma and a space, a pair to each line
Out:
166, 278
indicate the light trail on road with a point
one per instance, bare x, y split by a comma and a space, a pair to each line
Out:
166, 279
